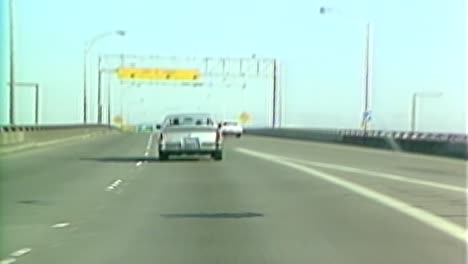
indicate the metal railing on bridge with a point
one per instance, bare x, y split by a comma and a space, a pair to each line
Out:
30, 128
442, 144
19, 134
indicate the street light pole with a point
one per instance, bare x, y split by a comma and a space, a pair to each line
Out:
85, 106
36, 97
99, 101
366, 111
244, 86
85, 64
101, 107
413, 113
109, 102
274, 94
367, 87
414, 106
12, 66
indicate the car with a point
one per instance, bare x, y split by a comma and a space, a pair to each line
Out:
145, 128
232, 128
190, 134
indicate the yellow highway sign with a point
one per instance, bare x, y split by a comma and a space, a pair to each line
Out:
245, 118
158, 74
118, 120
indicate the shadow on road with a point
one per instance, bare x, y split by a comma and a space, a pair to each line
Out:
424, 170
213, 215
32, 202
142, 159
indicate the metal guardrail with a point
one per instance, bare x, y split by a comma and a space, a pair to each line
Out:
14, 138
19, 128
441, 144
407, 135
430, 136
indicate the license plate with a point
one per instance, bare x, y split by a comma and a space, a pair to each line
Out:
191, 143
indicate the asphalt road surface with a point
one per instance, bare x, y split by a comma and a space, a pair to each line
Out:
109, 200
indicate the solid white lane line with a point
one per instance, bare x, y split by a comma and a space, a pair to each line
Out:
427, 218
377, 174
8, 261
20, 252
60, 225
148, 148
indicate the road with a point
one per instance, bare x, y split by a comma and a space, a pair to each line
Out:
103, 200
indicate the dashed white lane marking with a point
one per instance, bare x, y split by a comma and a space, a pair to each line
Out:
20, 252
138, 164
148, 148
114, 184
377, 174
150, 142
427, 218
8, 261
60, 225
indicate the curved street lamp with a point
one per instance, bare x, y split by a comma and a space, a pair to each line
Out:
366, 108
87, 48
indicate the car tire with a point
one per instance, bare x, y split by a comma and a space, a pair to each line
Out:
163, 156
217, 155
238, 135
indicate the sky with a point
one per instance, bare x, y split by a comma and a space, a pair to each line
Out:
417, 46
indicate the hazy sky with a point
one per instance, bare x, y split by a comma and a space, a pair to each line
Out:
419, 45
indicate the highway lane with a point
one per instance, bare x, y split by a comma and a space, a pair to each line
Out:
241, 210
42, 187
450, 205
440, 169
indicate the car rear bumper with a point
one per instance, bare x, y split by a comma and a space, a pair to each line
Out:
232, 132
185, 151
189, 152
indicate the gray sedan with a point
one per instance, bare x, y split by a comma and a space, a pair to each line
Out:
190, 134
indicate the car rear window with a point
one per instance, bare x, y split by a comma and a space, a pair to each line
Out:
230, 123
190, 121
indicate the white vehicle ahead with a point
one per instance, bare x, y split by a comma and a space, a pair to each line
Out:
232, 128
190, 134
